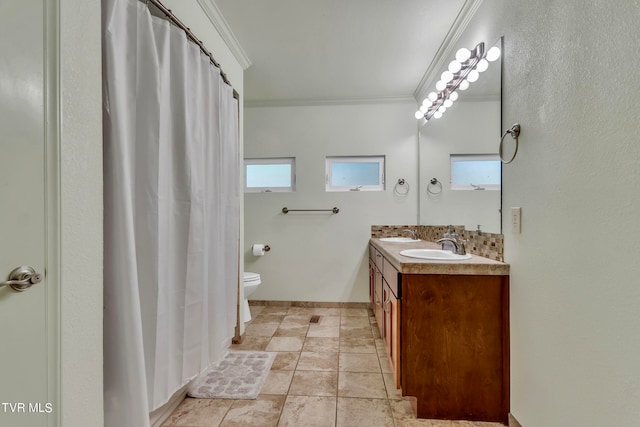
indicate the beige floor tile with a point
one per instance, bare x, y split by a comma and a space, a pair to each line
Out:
277, 382
357, 345
355, 412
323, 331
314, 383
361, 384
252, 343
288, 330
296, 319
329, 321
255, 310
285, 344
261, 329
404, 417
355, 322
275, 310
380, 348
390, 384
361, 312
321, 344
199, 413
359, 362
268, 318
261, 412
301, 311
321, 311
308, 411
375, 332
355, 331
285, 361
312, 361
385, 365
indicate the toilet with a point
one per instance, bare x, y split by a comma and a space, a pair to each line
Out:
251, 282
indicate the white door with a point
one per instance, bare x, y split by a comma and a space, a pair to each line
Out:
27, 365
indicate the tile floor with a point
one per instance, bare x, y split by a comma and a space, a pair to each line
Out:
333, 373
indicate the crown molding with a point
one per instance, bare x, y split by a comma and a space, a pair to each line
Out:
321, 102
445, 50
212, 11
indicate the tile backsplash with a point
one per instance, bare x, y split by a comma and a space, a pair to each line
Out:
488, 245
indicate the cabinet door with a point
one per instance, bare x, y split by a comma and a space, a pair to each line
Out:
372, 280
391, 309
377, 308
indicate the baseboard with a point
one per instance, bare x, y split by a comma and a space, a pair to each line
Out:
160, 415
513, 422
311, 304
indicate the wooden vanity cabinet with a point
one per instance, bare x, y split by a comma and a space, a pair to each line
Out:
447, 339
455, 346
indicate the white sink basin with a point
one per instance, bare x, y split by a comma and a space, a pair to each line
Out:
399, 239
434, 254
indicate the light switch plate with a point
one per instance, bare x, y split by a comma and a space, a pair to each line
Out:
516, 225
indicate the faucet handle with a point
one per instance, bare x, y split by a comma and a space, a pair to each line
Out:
462, 250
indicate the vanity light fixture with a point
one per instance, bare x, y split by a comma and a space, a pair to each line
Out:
464, 69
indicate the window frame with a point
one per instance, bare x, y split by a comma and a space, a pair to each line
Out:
271, 161
380, 159
476, 157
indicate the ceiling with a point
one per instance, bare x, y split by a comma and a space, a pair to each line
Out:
324, 51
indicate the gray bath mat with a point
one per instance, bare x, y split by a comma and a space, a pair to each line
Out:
240, 375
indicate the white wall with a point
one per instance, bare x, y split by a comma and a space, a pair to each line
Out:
570, 78
323, 257
80, 214
466, 128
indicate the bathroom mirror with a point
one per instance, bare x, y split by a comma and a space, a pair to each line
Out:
471, 127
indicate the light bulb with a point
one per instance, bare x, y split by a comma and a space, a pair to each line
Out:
424, 108
448, 103
419, 114
442, 109
464, 85
453, 96
441, 85
463, 54
437, 114
454, 66
493, 54
473, 76
432, 96
447, 76
426, 101
482, 65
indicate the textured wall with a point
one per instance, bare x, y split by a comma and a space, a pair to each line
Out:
571, 80
323, 257
81, 214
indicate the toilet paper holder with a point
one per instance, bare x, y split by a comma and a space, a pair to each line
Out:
267, 248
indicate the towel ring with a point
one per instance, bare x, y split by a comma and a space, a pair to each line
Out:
514, 132
401, 182
435, 183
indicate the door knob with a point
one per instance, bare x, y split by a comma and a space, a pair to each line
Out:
22, 278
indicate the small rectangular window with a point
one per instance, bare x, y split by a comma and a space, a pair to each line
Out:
476, 172
269, 175
355, 173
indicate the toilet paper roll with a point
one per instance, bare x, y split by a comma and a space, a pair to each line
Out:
258, 250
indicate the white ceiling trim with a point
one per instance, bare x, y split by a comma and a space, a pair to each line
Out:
320, 102
210, 9
445, 52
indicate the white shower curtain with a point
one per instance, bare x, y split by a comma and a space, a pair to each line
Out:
171, 195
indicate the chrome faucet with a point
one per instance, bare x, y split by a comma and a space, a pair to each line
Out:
458, 245
414, 236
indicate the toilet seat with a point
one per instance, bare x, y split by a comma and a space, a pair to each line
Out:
250, 277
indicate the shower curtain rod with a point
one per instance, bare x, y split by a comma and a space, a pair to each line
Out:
173, 18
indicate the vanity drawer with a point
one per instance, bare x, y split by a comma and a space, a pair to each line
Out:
391, 277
